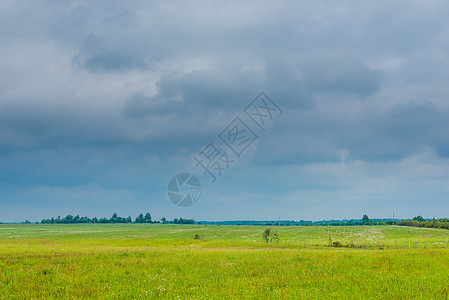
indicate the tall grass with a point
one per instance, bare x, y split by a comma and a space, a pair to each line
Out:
147, 261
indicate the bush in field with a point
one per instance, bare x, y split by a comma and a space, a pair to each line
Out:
270, 236
337, 244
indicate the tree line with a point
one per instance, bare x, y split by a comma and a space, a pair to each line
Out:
141, 218
419, 221
353, 222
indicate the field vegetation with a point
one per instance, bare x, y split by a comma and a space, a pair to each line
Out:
137, 261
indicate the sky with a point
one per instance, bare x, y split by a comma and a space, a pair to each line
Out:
103, 102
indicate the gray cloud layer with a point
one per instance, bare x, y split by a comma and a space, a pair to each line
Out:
110, 96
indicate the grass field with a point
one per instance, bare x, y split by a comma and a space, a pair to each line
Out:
130, 261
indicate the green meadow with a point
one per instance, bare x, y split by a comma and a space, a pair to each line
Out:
141, 261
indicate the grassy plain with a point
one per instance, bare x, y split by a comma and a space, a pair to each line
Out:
137, 261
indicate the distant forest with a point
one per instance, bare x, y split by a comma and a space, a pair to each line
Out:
427, 223
70, 219
353, 222
417, 221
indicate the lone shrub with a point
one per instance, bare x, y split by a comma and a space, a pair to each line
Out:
337, 244
270, 236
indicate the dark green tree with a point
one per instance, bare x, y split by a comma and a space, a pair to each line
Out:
114, 218
140, 219
418, 218
365, 220
147, 218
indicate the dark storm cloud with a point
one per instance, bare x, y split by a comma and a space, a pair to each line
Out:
95, 56
368, 133
107, 95
340, 73
116, 44
198, 92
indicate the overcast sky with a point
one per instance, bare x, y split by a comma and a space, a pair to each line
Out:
102, 102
